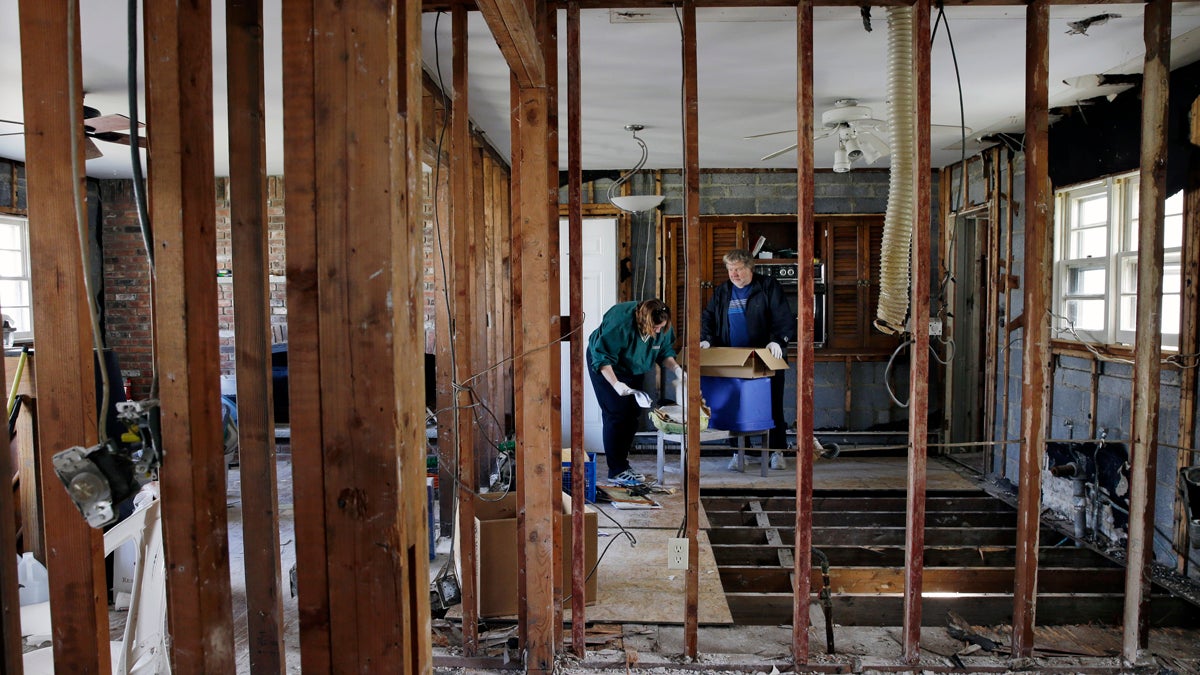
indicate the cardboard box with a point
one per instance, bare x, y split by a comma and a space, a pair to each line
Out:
496, 552
739, 362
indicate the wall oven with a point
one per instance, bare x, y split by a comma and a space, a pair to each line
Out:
787, 274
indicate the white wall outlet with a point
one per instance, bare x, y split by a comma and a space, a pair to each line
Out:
677, 554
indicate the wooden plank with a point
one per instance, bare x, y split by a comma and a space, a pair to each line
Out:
992, 291
304, 337
805, 330
691, 219
252, 337
460, 446
538, 498
934, 504
1035, 367
1189, 330
1147, 343
893, 556
978, 610
885, 580
409, 337
10, 594
884, 536
575, 311
74, 555
181, 189
918, 377
862, 519
512, 27
33, 531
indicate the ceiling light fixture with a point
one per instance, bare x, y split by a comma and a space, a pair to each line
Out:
841, 159
633, 203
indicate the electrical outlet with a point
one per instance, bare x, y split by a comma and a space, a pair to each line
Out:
677, 554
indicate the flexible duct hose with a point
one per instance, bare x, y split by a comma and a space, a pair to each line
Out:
894, 258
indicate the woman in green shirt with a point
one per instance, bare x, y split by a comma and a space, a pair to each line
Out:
632, 338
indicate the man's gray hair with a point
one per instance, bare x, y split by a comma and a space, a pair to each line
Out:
739, 255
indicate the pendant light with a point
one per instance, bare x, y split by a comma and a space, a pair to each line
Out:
633, 203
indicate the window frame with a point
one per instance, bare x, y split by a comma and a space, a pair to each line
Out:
1119, 261
22, 313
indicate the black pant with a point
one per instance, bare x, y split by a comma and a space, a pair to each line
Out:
620, 415
777, 437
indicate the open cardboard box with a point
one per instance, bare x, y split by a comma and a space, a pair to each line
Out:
741, 362
496, 552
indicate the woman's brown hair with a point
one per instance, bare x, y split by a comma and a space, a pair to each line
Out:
649, 314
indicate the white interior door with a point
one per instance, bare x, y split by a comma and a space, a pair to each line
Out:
599, 249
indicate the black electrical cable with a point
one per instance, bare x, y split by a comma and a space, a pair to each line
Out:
135, 155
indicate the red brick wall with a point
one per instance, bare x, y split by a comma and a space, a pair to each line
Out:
127, 277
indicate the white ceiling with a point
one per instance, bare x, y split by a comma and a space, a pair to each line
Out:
631, 72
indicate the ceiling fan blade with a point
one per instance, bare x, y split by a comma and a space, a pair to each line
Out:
14, 133
777, 153
90, 149
113, 137
771, 133
825, 134
109, 123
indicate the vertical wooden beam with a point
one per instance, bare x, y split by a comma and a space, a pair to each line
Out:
181, 189
517, 208
1036, 382
11, 660
252, 336
691, 224
408, 257
50, 67
1189, 330
1147, 342
575, 292
993, 290
304, 336
366, 301
1007, 290
805, 357
460, 445
918, 378
536, 498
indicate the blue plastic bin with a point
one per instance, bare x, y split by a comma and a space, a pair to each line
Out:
589, 472
738, 404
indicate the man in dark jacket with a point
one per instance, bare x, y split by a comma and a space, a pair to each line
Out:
751, 310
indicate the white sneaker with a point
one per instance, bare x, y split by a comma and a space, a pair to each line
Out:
733, 463
778, 461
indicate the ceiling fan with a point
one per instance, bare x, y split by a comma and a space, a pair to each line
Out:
112, 128
854, 128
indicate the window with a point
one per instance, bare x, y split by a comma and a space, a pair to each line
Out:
1095, 274
15, 291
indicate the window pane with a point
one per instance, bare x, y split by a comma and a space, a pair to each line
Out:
1091, 211
1170, 279
10, 235
1170, 313
1128, 313
14, 294
1089, 243
1173, 231
12, 264
1085, 314
1086, 281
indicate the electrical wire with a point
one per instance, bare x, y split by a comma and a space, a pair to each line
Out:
81, 227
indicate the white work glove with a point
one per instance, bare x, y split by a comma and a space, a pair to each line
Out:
775, 349
680, 384
622, 389
704, 344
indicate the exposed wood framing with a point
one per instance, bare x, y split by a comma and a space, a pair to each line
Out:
459, 343
304, 339
1189, 333
361, 281
992, 302
918, 388
1007, 289
251, 294
181, 189
546, 24
10, 595
512, 26
1147, 363
802, 555
691, 220
575, 310
537, 496
1036, 381
74, 552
